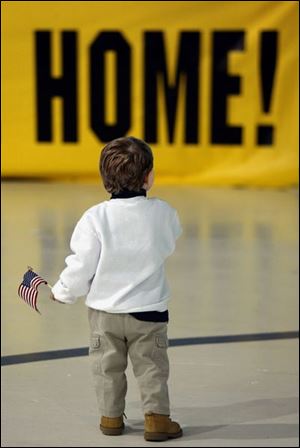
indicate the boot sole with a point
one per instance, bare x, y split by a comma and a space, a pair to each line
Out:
160, 436
112, 431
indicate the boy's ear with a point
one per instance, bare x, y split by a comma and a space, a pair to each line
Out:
146, 180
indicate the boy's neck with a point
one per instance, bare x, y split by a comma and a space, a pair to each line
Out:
125, 193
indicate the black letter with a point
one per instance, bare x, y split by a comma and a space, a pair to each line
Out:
155, 68
49, 87
104, 42
223, 85
268, 61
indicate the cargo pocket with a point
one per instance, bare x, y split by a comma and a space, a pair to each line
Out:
160, 355
95, 352
95, 343
161, 341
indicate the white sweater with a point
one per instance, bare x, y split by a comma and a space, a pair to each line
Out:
119, 247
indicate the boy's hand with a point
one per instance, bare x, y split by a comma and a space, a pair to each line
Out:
55, 300
52, 297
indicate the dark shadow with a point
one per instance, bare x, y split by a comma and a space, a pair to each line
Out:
243, 412
243, 431
231, 421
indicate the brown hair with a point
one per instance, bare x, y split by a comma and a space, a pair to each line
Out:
124, 164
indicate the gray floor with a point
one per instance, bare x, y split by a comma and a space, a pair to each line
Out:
235, 272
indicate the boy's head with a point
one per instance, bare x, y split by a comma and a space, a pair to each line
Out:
125, 163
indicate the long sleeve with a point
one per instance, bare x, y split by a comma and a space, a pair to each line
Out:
177, 229
75, 280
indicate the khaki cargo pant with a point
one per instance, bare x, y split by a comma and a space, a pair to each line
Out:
113, 338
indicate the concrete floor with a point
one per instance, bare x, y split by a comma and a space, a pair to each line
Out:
235, 272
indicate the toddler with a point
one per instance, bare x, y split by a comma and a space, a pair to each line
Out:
119, 248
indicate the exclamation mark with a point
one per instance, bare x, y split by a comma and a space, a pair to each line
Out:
268, 59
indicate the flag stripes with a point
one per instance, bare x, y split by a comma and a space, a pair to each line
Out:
29, 295
28, 288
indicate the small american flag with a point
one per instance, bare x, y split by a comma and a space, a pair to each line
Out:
28, 288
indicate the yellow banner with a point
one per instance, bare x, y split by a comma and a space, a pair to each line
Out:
211, 86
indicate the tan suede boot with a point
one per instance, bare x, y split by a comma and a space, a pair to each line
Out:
112, 426
160, 427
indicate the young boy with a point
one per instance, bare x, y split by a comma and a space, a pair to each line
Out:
119, 247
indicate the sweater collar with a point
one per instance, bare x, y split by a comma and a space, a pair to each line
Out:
125, 193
